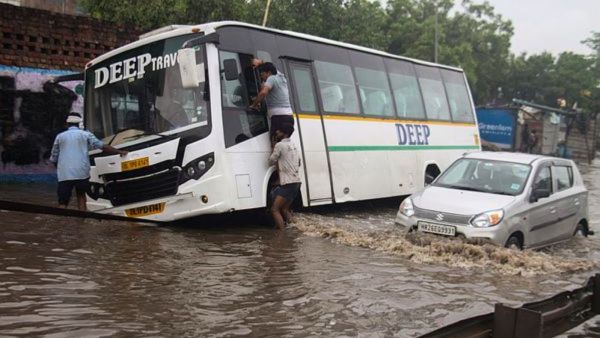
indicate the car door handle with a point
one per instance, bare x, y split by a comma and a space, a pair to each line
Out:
576, 201
553, 210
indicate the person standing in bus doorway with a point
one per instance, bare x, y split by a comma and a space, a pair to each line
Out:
275, 91
285, 155
70, 155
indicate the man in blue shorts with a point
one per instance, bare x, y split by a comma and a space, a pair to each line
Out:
70, 155
285, 155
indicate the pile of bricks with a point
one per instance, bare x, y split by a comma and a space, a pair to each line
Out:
41, 39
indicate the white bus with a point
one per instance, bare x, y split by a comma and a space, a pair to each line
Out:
369, 124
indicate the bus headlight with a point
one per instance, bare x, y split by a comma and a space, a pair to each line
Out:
198, 167
96, 191
191, 172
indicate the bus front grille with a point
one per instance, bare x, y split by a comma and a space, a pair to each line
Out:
143, 189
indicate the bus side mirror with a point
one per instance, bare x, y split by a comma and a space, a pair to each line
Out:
230, 69
192, 74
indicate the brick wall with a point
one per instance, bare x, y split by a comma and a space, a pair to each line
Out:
41, 39
59, 6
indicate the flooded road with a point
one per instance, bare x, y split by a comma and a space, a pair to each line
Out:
342, 272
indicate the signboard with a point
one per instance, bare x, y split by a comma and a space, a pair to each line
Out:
497, 126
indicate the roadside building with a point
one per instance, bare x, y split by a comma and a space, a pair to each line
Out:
36, 47
530, 127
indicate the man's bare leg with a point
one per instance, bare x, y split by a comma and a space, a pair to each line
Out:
276, 208
287, 212
81, 202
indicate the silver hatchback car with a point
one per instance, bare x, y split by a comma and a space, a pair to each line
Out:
513, 199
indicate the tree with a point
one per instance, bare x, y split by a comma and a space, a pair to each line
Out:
472, 37
151, 14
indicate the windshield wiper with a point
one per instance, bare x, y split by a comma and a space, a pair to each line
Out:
462, 187
501, 193
136, 136
146, 133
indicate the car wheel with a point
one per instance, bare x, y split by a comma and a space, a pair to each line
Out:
514, 242
581, 230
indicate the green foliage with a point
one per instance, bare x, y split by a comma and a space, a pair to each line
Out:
472, 37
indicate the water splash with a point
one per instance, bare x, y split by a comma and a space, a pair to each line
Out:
430, 249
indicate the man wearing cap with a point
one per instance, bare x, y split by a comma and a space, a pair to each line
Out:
70, 155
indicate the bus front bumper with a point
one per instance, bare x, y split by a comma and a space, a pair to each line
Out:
164, 209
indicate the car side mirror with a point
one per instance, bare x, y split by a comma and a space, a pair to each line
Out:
539, 193
230, 69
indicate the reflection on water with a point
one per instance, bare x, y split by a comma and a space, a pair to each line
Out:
346, 272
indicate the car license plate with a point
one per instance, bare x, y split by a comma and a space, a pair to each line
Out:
440, 229
146, 210
135, 164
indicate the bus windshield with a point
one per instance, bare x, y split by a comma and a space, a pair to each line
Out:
139, 93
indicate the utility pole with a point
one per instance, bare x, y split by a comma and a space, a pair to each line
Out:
264, 23
435, 43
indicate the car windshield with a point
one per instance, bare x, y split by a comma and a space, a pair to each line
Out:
140, 92
496, 177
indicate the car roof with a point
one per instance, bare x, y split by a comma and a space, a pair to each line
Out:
513, 157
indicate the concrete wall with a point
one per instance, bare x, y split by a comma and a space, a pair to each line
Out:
576, 141
35, 46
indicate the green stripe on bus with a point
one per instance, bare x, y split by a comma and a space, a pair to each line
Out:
392, 148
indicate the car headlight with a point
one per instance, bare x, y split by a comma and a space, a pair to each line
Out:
488, 219
406, 207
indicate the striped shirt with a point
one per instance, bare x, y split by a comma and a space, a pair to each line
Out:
286, 156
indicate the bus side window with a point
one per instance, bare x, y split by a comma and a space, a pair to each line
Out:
405, 89
337, 88
233, 91
458, 96
239, 123
434, 93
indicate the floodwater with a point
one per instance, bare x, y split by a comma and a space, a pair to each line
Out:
345, 271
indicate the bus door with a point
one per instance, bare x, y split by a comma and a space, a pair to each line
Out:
311, 130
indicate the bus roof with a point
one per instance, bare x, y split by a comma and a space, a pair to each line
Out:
176, 30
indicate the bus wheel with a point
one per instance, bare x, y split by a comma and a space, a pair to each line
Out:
431, 173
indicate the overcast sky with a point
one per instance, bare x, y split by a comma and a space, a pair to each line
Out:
550, 25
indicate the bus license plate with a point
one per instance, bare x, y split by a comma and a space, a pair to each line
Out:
146, 210
135, 164
440, 229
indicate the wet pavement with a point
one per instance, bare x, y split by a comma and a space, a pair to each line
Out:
347, 271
